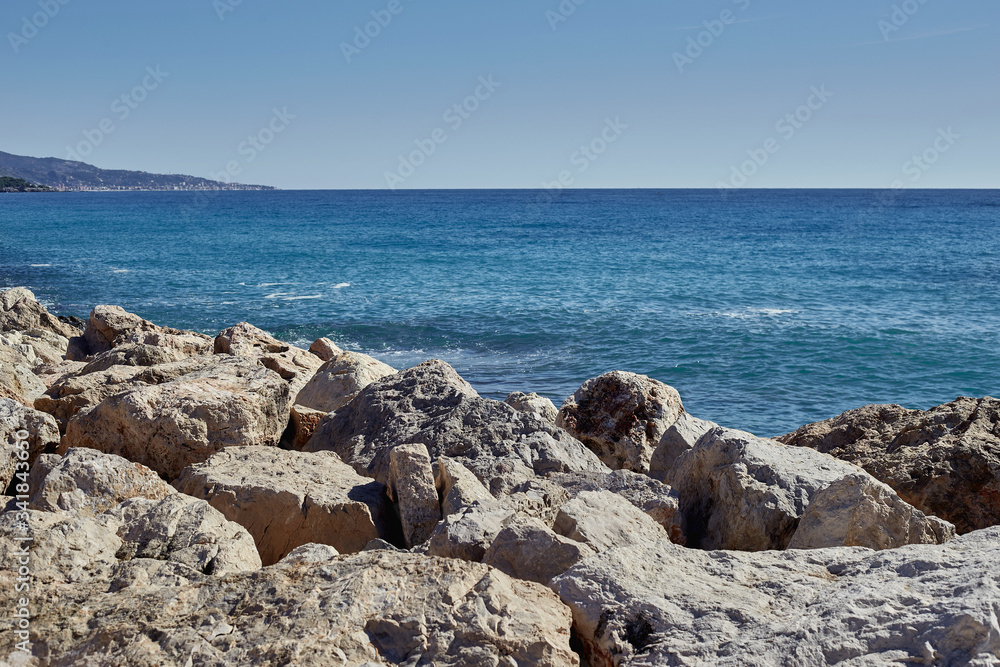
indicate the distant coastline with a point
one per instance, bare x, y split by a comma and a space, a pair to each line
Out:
30, 174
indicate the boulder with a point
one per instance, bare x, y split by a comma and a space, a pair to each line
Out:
414, 491
431, 405
528, 549
132, 354
287, 499
73, 392
860, 511
741, 492
20, 311
24, 435
305, 421
656, 499
112, 326
457, 486
295, 366
185, 530
603, 520
660, 604
339, 380
533, 404
88, 482
469, 532
682, 435
944, 461
39, 346
49, 374
375, 608
621, 417
17, 381
325, 349
170, 426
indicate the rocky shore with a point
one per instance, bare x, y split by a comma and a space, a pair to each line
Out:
177, 499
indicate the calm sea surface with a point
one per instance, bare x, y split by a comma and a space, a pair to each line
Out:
765, 309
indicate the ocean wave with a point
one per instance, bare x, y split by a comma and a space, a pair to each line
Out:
340, 285
120, 270
301, 298
272, 284
38, 266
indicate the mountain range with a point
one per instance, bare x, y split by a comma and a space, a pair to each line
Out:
69, 175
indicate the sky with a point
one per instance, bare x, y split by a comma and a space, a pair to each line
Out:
372, 94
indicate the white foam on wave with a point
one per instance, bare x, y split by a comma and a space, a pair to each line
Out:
37, 266
273, 284
277, 295
748, 313
301, 298
119, 270
341, 285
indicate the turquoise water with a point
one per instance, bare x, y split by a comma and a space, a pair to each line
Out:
766, 309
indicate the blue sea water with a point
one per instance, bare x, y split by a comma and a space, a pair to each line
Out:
765, 309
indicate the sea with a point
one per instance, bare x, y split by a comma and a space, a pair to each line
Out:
766, 309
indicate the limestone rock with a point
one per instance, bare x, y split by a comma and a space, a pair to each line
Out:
39, 346
431, 405
742, 492
49, 374
112, 326
17, 381
469, 532
305, 421
533, 404
528, 549
295, 366
944, 461
375, 608
656, 499
682, 435
170, 426
177, 341
604, 520
621, 417
339, 380
73, 392
20, 424
860, 511
310, 553
325, 349
88, 482
660, 604
457, 486
414, 490
132, 354
185, 530
20, 311
287, 499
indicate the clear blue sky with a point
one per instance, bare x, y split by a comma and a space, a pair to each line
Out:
939, 69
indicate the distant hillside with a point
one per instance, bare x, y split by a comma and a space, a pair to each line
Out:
68, 175
8, 184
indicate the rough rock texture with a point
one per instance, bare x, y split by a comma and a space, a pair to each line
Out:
305, 421
468, 533
860, 511
944, 461
533, 404
457, 486
412, 487
742, 492
660, 604
621, 416
17, 381
42, 435
111, 326
375, 608
682, 435
287, 499
73, 392
88, 482
20, 311
185, 530
654, 498
604, 520
431, 405
325, 349
39, 346
295, 366
528, 549
133, 354
170, 426
339, 380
